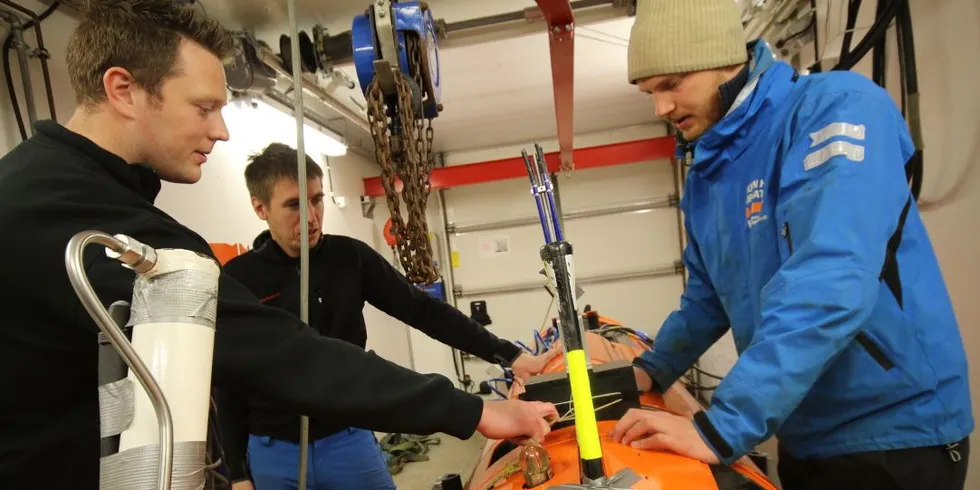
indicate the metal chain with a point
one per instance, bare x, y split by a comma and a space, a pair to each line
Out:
408, 156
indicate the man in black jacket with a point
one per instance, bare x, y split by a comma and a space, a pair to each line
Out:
149, 83
345, 273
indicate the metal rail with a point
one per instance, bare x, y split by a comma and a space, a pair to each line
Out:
508, 25
667, 270
664, 202
141, 258
268, 57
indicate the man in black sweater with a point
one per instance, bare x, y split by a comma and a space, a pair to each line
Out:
150, 85
345, 273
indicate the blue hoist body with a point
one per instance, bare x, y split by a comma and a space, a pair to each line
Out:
379, 44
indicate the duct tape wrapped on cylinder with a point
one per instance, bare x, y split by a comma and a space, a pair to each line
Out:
184, 296
115, 407
136, 468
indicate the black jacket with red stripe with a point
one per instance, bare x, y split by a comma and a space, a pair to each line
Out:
345, 273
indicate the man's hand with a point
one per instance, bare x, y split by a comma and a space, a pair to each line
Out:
646, 429
516, 420
242, 485
528, 365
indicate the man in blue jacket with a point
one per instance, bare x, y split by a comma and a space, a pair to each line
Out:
804, 240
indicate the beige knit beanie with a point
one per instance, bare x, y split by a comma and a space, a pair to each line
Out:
679, 36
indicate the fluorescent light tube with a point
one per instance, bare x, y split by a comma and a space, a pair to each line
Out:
249, 120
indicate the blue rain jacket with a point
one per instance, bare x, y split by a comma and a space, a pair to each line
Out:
803, 239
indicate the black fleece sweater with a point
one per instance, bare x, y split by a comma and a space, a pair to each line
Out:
59, 183
345, 273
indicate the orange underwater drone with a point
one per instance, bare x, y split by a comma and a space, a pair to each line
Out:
593, 386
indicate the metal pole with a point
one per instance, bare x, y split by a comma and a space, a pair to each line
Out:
304, 238
449, 287
559, 263
549, 193
538, 199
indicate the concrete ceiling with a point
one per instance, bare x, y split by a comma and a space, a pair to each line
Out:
494, 93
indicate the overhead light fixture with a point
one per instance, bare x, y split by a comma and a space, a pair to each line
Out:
253, 121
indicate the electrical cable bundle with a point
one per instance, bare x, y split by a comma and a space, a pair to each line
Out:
874, 41
8, 44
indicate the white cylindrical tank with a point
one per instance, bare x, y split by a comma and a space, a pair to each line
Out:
173, 315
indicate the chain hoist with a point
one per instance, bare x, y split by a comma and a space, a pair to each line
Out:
399, 77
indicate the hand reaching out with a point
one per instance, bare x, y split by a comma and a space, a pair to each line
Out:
516, 420
646, 429
528, 365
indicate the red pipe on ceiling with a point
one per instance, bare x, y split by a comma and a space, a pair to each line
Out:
561, 30
512, 168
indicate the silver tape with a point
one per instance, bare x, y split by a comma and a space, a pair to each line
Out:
184, 296
136, 468
116, 401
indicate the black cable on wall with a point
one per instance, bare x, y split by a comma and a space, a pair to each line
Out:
8, 44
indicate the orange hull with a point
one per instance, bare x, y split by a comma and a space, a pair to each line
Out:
659, 470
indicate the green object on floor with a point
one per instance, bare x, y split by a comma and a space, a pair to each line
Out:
400, 449
509, 470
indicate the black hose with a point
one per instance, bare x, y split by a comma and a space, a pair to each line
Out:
8, 76
7, 46
879, 51
814, 25
914, 168
877, 31
809, 27
852, 16
44, 15
913, 173
908, 44
36, 24
900, 11
903, 82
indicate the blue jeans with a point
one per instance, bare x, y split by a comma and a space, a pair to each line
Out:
350, 458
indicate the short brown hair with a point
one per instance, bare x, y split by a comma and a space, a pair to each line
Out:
273, 163
140, 36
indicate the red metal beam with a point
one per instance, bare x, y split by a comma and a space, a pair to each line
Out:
512, 168
561, 31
